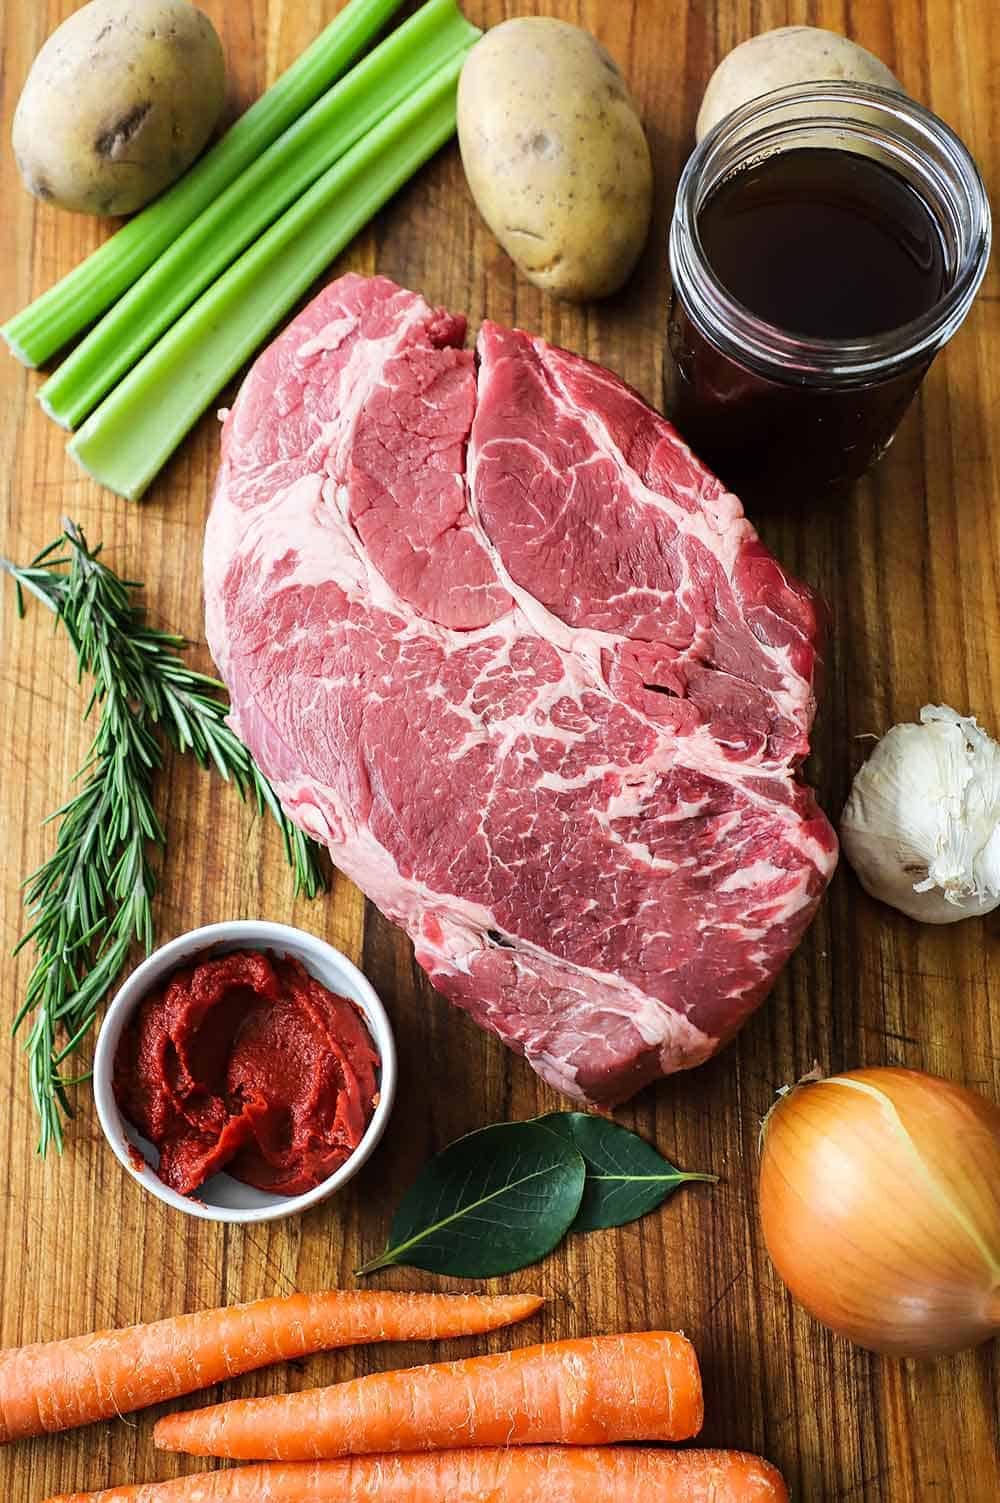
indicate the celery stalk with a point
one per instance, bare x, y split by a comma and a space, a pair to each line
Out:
410, 56
135, 430
39, 330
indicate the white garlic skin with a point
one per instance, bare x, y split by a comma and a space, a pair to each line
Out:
922, 825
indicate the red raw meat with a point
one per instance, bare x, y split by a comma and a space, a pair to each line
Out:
508, 649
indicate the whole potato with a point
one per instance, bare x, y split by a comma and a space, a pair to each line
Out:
780, 58
118, 103
555, 155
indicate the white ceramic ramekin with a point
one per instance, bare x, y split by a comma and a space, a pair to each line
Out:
223, 1198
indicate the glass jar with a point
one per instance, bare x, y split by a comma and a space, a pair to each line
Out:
785, 415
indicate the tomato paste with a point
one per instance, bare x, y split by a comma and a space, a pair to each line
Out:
246, 1063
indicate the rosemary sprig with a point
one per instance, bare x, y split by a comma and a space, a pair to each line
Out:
94, 894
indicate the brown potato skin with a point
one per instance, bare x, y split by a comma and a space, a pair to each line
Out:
556, 156
118, 103
787, 55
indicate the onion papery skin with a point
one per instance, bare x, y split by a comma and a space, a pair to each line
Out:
880, 1205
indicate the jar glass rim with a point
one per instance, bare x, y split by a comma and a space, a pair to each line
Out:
862, 112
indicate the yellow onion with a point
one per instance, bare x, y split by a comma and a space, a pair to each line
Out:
880, 1202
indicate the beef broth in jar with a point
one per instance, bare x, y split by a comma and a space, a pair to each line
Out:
826, 242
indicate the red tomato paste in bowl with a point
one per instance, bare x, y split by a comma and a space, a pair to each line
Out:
247, 1063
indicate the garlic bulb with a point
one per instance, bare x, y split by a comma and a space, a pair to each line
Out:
922, 825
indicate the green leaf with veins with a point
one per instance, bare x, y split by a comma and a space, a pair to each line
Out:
489, 1204
626, 1176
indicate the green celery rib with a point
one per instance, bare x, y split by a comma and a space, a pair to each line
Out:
410, 56
132, 434
39, 330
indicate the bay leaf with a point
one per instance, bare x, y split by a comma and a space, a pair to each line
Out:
626, 1176
489, 1204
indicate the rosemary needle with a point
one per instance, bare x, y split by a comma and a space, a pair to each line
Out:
93, 896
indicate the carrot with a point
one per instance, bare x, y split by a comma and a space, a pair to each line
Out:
539, 1475
58, 1385
589, 1393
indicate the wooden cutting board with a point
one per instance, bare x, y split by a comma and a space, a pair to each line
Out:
911, 566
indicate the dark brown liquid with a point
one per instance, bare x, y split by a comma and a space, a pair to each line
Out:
824, 243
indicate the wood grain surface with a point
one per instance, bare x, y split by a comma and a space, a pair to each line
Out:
911, 566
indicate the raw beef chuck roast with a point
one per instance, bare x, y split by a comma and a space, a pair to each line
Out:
507, 648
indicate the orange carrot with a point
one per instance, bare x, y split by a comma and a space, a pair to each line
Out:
543, 1475
587, 1393
58, 1385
